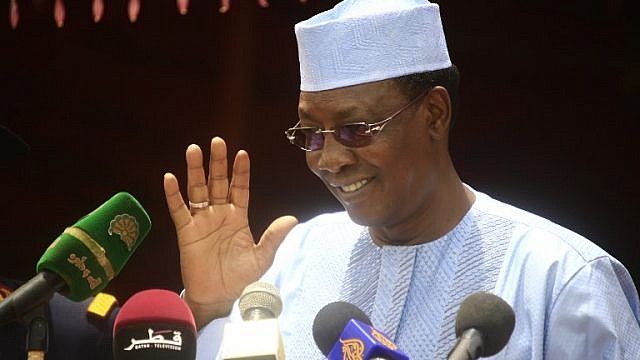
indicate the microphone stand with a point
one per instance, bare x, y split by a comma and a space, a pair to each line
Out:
37, 332
468, 347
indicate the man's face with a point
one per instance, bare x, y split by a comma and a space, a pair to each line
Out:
387, 182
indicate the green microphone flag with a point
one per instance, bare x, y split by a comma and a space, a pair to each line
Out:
90, 253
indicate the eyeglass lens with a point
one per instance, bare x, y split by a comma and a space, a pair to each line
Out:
352, 135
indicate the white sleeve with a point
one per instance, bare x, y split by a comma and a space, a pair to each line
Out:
210, 338
595, 316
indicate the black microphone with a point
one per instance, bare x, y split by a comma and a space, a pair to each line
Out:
84, 258
342, 331
12, 145
483, 326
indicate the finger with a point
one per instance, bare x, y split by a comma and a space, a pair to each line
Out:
263, 3
224, 6
218, 179
275, 234
177, 208
183, 6
239, 191
196, 184
133, 10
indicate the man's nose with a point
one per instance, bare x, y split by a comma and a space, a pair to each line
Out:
334, 156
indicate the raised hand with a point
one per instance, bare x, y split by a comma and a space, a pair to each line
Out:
218, 255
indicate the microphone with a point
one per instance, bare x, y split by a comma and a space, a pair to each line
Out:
258, 336
483, 326
84, 258
342, 331
12, 145
154, 324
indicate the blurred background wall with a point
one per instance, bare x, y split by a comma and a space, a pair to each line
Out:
549, 117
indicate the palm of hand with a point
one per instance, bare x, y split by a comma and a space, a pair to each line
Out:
217, 247
218, 255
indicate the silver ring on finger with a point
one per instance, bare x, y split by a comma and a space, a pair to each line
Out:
199, 205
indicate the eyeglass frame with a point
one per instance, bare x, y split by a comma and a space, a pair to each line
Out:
372, 129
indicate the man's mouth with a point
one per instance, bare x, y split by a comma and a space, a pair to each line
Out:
349, 188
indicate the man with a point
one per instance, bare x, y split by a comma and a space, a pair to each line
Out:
376, 105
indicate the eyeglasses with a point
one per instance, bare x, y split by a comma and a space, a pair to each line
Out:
309, 138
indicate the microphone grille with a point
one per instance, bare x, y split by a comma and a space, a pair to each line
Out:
260, 295
490, 315
331, 320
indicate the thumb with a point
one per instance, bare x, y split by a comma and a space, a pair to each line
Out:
275, 233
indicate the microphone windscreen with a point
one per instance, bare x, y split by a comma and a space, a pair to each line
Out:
154, 324
92, 252
331, 321
260, 300
490, 315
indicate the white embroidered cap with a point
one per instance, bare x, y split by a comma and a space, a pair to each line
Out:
360, 41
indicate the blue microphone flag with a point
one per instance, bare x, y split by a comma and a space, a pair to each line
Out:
359, 341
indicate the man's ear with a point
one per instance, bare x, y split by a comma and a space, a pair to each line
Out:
438, 105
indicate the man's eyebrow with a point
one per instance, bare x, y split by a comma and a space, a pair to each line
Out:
303, 114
